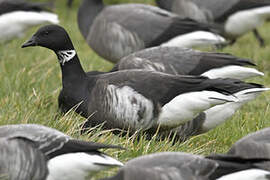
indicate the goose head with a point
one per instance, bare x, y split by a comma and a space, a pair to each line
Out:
53, 37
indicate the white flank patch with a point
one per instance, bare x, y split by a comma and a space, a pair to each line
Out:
15, 23
243, 21
65, 56
217, 115
233, 71
195, 39
187, 106
78, 165
130, 108
251, 174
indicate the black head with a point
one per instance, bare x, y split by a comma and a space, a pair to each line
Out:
53, 37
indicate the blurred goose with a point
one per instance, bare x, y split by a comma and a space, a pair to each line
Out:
253, 148
178, 165
30, 151
237, 17
118, 30
17, 16
183, 173
127, 99
183, 61
156, 173
166, 165
255, 145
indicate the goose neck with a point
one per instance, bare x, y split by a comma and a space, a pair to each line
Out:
71, 67
87, 13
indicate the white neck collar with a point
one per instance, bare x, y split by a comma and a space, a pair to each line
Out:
65, 56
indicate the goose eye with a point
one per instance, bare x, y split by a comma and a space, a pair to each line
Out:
46, 32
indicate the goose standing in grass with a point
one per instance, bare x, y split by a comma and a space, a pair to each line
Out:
183, 61
237, 17
131, 99
179, 61
30, 151
178, 166
118, 30
17, 16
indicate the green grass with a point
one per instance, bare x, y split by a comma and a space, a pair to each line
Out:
30, 80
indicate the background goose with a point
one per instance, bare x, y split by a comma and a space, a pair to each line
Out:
253, 147
66, 158
17, 16
127, 99
236, 16
176, 163
118, 30
167, 165
176, 60
156, 173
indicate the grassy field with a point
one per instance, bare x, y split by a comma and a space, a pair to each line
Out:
30, 80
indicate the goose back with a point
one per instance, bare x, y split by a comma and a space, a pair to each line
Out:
182, 61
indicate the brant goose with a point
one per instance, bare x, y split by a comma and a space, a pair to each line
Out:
255, 145
116, 31
183, 61
17, 16
156, 173
30, 150
237, 17
130, 99
249, 149
185, 166
175, 60
166, 165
